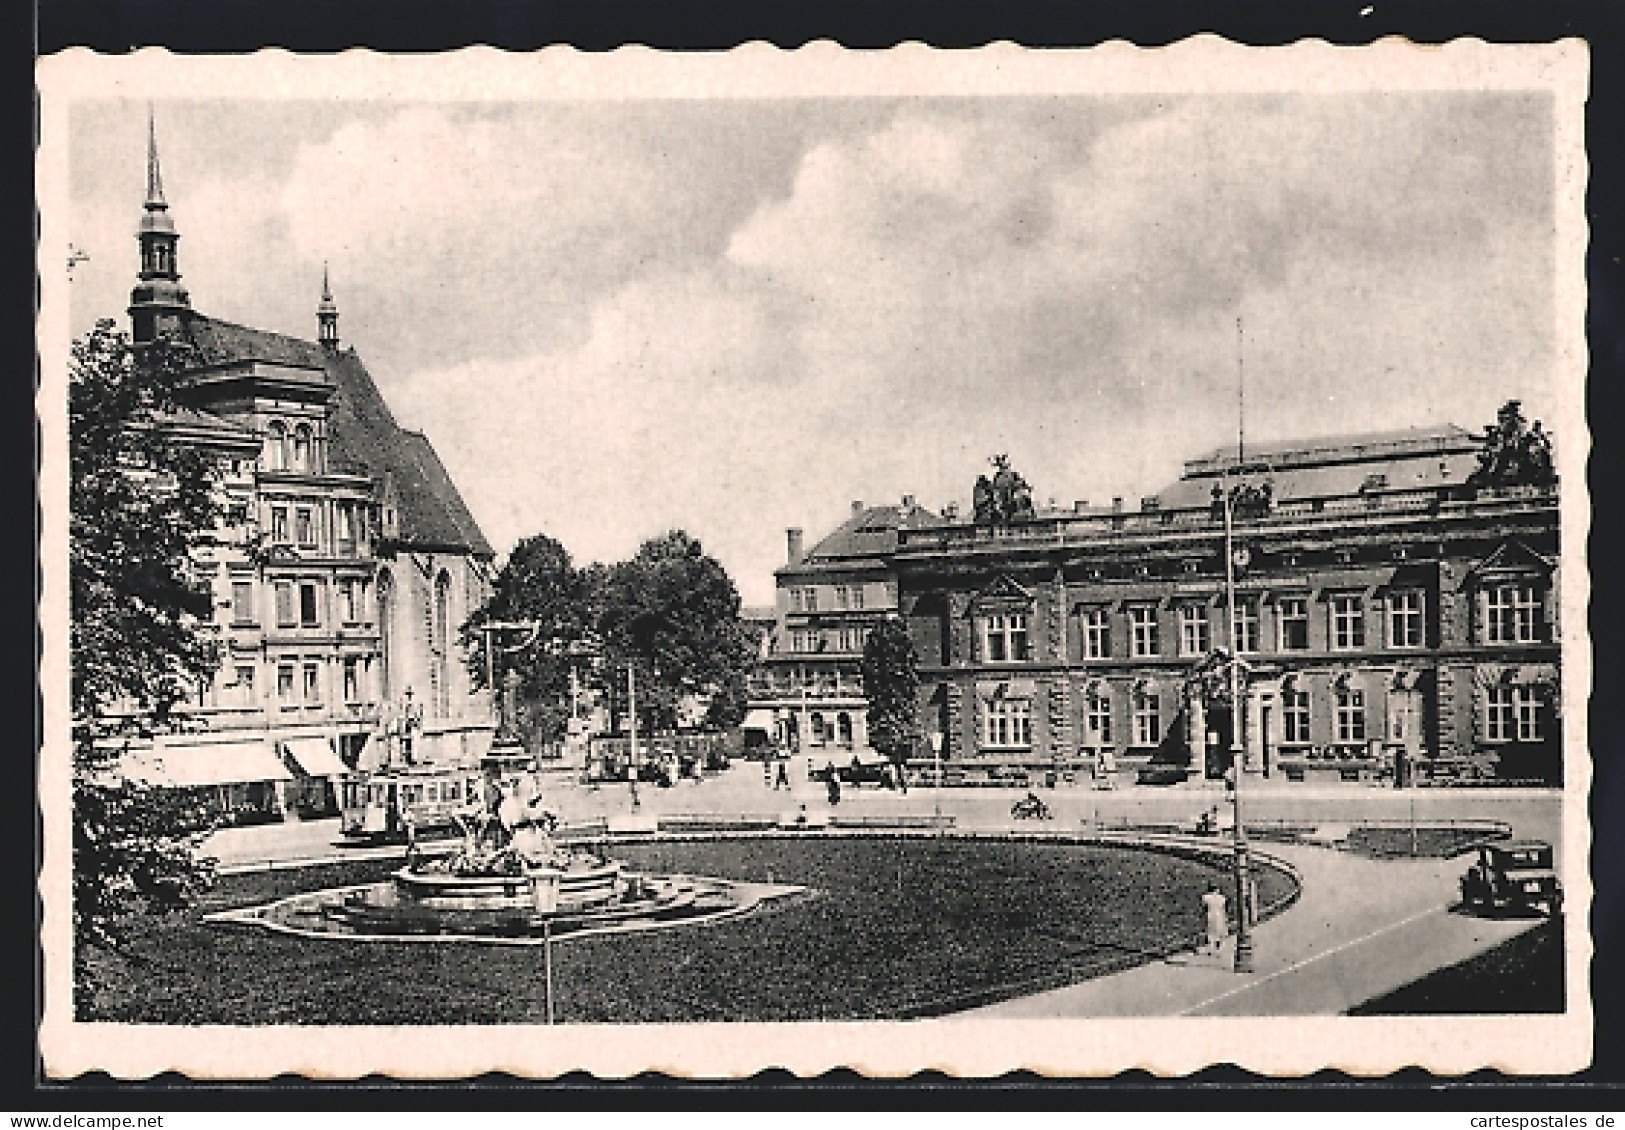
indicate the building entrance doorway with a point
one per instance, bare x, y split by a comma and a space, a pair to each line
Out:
1219, 721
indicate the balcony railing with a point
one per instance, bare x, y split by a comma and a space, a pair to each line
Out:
766, 686
1066, 529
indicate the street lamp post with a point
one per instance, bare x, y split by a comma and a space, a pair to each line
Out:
1244, 937
936, 759
632, 710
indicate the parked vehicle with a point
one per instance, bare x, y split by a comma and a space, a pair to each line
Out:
1031, 807
1513, 875
1162, 774
856, 772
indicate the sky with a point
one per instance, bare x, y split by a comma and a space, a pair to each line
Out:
615, 318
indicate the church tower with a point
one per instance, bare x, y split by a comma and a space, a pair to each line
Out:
327, 317
158, 297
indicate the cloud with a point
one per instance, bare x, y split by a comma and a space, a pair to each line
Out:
736, 317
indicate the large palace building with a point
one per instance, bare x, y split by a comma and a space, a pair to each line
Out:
1391, 622
346, 566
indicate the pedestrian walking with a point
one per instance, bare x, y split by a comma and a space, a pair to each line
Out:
782, 780
1218, 926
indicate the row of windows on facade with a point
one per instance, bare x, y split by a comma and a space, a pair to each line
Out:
1508, 614
1511, 713
302, 604
846, 597
304, 530
825, 731
298, 683
293, 449
850, 640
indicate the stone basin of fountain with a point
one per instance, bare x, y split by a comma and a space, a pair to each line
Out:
507, 882
583, 881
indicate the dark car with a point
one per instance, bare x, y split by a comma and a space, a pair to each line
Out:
854, 773
1514, 875
858, 773
1154, 773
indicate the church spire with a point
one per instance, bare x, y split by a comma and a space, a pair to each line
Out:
158, 294
155, 177
327, 316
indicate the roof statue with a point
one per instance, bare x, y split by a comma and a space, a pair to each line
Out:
1004, 498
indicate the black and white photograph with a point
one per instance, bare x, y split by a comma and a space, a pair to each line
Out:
981, 560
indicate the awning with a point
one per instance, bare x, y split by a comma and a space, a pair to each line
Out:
215, 763
757, 720
314, 757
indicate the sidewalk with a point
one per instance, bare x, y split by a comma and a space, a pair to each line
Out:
1360, 929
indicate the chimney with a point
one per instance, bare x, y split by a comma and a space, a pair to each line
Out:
792, 538
1117, 504
951, 511
857, 507
908, 502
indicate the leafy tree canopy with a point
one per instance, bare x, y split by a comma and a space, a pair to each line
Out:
140, 505
891, 683
539, 583
1514, 452
674, 610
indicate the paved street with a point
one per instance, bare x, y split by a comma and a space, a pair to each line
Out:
740, 791
1360, 929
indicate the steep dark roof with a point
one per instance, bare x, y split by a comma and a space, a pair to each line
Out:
363, 436
868, 537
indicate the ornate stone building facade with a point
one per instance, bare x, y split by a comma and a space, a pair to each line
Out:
347, 564
808, 693
1391, 619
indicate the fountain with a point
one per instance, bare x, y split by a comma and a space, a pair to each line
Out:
508, 878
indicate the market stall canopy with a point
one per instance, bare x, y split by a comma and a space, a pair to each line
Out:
212, 763
314, 757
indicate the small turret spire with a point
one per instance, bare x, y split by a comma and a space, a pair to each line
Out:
155, 176
158, 297
327, 315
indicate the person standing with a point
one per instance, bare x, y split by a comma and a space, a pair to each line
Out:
782, 779
1214, 910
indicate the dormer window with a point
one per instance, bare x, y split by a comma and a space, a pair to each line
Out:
301, 448
1004, 637
1511, 613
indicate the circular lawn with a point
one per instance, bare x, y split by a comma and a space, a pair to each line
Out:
888, 929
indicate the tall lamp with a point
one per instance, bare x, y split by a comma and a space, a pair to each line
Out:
936, 758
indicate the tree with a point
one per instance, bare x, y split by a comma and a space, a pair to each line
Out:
140, 505
891, 683
538, 582
1513, 452
674, 611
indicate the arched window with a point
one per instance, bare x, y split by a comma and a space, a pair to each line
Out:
817, 724
440, 646
301, 448
276, 447
385, 600
843, 728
